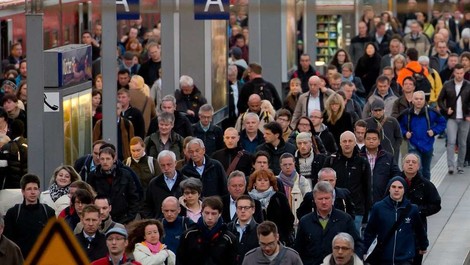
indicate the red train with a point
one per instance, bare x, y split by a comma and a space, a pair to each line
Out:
64, 20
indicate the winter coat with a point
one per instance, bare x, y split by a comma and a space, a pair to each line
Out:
122, 192
409, 236
391, 136
10, 253
385, 168
143, 255
388, 99
314, 243
304, 77
275, 153
214, 180
192, 102
248, 241
225, 156
368, 69
182, 125
153, 146
59, 205
418, 125
213, 138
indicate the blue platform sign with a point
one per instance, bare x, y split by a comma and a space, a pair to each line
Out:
211, 9
127, 9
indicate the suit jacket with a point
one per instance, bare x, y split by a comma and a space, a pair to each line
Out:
258, 215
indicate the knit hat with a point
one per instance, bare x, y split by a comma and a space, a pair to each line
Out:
9, 82
397, 178
117, 230
377, 104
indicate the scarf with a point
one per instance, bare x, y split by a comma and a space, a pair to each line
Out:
154, 248
57, 192
209, 234
288, 180
262, 196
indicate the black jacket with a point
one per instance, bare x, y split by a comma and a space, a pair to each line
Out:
149, 71
192, 102
265, 89
258, 215
182, 125
279, 212
304, 76
122, 192
213, 138
214, 181
249, 239
353, 174
424, 194
342, 202
195, 250
275, 153
15, 153
157, 191
317, 164
135, 116
226, 156
95, 249
447, 98
314, 243
384, 170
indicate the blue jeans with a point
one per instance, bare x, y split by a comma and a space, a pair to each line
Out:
461, 127
358, 224
426, 158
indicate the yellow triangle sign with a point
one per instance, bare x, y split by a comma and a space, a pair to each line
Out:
57, 245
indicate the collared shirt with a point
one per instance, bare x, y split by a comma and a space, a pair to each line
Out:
323, 220
170, 182
458, 107
241, 229
233, 208
313, 103
200, 169
371, 157
234, 87
205, 129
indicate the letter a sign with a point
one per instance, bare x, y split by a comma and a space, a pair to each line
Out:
211, 9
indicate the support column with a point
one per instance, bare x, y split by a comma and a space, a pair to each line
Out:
170, 45
35, 115
108, 65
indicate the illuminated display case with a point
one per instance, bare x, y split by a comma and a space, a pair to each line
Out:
77, 125
219, 64
329, 36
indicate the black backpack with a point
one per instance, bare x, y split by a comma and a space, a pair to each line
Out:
422, 82
263, 92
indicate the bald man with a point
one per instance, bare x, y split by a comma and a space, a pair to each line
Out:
173, 224
233, 156
315, 98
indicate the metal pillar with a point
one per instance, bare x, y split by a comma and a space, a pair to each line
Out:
35, 116
170, 46
108, 65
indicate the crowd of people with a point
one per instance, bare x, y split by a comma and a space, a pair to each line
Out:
311, 176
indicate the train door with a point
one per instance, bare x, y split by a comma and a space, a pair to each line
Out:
85, 17
6, 37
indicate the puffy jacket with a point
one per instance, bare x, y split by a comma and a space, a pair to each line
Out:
385, 169
418, 125
402, 245
214, 180
314, 243
122, 192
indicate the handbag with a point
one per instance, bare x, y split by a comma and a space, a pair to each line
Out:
375, 251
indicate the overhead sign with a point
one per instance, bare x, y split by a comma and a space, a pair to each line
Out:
211, 9
57, 246
127, 9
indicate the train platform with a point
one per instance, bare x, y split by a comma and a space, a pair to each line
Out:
449, 230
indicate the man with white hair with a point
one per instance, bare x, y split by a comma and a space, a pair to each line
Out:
343, 251
162, 186
209, 171
189, 98
251, 136
434, 78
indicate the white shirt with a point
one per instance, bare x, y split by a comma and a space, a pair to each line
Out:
235, 93
313, 103
233, 208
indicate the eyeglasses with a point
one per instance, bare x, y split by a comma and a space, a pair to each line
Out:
282, 120
338, 248
304, 124
268, 245
244, 208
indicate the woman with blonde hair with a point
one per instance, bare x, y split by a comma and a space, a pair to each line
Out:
140, 99
267, 113
145, 242
335, 117
399, 62
57, 196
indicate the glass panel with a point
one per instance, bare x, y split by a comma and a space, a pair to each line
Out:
219, 64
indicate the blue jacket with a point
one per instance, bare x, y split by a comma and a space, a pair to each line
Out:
411, 233
314, 243
418, 125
